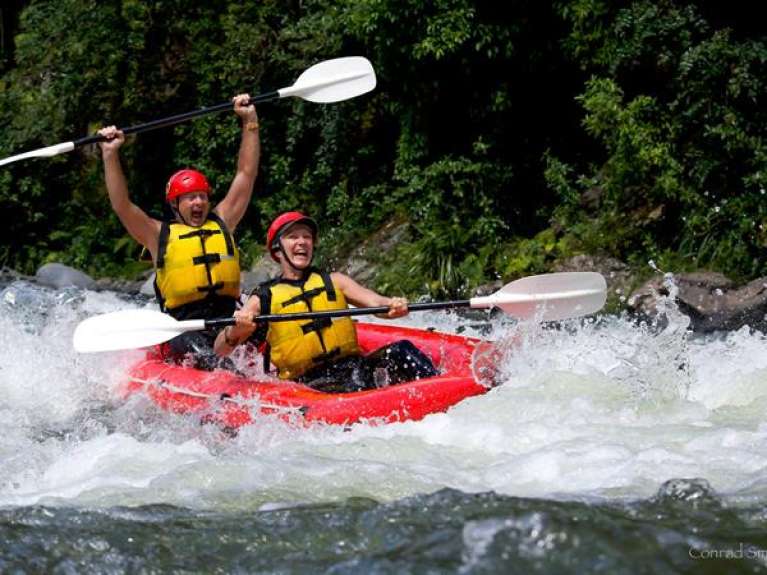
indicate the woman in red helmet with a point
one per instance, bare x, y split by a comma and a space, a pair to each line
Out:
322, 353
195, 257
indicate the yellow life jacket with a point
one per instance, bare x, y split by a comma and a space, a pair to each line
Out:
297, 346
196, 263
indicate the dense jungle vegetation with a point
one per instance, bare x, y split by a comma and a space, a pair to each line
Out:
508, 135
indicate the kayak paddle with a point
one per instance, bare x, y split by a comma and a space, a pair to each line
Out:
325, 82
548, 297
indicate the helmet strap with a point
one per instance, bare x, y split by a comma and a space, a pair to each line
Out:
176, 212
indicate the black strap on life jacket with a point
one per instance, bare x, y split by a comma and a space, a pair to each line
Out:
300, 283
162, 242
304, 296
158, 295
162, 246
205, 259
316, 325
212, 288
264, 293
265, 298
258, 337
329, 287
201, 233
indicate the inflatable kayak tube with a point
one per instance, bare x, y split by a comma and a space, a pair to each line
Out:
230, 400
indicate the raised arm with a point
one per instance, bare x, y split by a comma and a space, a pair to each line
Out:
232, 207
361, 296
140, 226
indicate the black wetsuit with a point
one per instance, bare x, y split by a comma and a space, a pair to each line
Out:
395, 363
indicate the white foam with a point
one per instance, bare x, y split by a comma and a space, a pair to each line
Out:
605, 409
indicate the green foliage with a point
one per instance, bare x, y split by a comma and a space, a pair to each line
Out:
590, 27
507, 136
455, 223
527, 256
676, 109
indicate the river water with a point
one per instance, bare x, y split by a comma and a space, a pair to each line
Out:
612, 446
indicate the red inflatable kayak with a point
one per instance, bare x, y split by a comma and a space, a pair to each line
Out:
232, 401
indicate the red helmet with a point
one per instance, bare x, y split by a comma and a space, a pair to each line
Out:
282, 224
184, 182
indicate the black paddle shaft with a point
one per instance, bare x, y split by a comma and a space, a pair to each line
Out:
178, 118
223, 322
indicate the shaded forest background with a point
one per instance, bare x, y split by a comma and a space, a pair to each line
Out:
506, 135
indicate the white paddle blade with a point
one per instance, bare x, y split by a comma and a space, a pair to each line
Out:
334, 80
129, 329
41, 153
549, 297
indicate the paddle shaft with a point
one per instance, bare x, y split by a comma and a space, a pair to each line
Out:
223, 322
547, 297
178, 118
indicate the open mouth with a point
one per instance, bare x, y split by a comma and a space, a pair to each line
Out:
301, 254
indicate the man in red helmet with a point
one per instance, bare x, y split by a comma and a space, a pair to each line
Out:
195, 257
322, 353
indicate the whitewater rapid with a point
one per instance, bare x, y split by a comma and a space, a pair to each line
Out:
605, 408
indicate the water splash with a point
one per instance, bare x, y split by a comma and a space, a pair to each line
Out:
602, 408
656, 364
